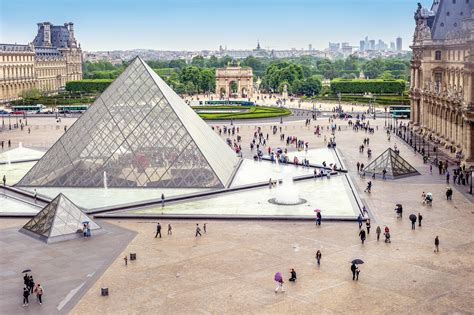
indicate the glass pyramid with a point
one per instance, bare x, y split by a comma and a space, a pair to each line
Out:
138, 133
58, 220
393, 163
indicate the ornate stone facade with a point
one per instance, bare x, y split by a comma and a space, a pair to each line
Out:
243, 78
52, 59
442, 70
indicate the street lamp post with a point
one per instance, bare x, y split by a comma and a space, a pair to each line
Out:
471, 168
339, 96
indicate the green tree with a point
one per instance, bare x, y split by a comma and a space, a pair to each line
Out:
309, 87
373, 68
32, 93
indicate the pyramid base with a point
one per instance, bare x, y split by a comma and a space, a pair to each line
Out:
59, 238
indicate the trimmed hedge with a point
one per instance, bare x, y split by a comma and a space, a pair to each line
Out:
373, 86
88, 86
379, 99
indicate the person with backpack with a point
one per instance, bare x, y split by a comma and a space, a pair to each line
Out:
198, 230
39, 293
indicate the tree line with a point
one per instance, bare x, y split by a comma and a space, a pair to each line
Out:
301, 75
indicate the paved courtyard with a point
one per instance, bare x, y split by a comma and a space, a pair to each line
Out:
230, 269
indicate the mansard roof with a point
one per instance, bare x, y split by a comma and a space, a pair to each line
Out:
448, 17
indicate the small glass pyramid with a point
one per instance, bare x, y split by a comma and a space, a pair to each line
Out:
138, 133
394, 165
58, 220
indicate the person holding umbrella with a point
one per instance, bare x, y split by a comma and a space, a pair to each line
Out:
355, 270
412, 218
279, 280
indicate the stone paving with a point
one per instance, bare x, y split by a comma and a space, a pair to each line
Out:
66, 270
230, 269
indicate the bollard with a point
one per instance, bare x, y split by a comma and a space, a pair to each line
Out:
104, 291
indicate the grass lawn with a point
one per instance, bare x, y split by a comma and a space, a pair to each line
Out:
249, 113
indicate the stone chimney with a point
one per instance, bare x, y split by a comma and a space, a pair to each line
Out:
46, 34
72, 39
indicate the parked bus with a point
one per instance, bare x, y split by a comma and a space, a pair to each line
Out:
26, 109
400, 111
70, 109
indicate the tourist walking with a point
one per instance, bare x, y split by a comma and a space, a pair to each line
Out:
436, 244
4, 180
279, 280
26, 294
420, 217
412, 218
362, 236
318, 218
318, 257
369, 187
198, 230
354, 271
158, 230
378, 231
367, 225
449, 193
162, 200
169, 229
39, 293
125, 259
204, 228
359, 220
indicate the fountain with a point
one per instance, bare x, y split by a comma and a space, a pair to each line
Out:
286, 193
105, 180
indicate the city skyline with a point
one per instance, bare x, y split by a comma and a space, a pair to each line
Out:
282, 24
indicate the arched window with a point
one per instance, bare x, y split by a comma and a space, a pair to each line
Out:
438, 55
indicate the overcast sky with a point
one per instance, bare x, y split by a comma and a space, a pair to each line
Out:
206, 24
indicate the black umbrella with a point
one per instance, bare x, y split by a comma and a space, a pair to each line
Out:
412, 217
26, 270
357, 261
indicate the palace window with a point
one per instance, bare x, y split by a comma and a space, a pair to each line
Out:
438, 78
438, 55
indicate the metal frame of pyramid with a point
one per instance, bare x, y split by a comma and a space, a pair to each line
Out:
138, 133
393, 163
59, 220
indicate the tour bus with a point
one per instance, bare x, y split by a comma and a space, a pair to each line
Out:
229, 102
400, 111
70, 109
26, 109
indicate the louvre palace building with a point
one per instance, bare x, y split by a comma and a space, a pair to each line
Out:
47, 63
442, 70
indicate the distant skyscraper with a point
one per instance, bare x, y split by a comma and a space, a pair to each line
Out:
372, 44
310, 47
334, 47
362, 45
392, 46
399, 44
